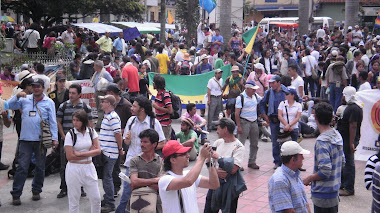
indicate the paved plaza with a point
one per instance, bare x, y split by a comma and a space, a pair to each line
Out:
255, 199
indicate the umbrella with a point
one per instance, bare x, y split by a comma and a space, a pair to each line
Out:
6, 18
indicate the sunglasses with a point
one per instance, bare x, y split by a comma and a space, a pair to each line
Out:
181, 154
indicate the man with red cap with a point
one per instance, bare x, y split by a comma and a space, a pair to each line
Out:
177, 188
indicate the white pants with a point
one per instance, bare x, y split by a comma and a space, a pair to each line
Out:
78, 175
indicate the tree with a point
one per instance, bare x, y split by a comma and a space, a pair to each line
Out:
50, 11
225, 23
188, 15
351, 13
163, 21
303, 16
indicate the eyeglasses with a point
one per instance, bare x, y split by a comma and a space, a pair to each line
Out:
181, 154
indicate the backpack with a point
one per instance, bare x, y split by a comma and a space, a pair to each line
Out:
152, 121
185, 68
74, 136
233, 101
338, 67
176, 105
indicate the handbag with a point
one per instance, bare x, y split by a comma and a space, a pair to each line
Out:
313, 73
143, 200
284, 136
46, 137
24, 44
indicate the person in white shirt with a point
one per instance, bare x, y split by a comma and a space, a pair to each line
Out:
178, 188
321, 32
309, 63
31, 37
364, 84
214, 97
40, 69
289, 113
297, 81
68, 36
200, 35
315, 52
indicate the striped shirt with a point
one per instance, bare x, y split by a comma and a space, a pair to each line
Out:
249, 110
164, 101
111, 124
66, 110
286, 191
370, 166
376, 190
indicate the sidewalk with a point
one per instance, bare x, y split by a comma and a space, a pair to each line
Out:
255, 199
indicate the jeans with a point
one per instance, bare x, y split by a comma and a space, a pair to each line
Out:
305, 129
250, 130
203, 135
309, 81
325, 210
336, 95
208, 208
108, 181
274, 128
26, 149
99, 109
115, 175
125, 196
294, 135
348, 171
214, 109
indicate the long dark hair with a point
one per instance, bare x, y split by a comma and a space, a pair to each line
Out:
82, 116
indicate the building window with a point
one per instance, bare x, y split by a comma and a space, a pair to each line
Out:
151, 16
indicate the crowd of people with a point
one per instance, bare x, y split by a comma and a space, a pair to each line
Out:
293, 86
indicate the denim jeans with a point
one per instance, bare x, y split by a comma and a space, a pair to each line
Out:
203, 135
348, 171
325, 210
26, 149
274, 128
294, 135
336, 95
108, 181
305, 129
125, 196
309, 81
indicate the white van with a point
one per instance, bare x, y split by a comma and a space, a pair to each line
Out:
267, 23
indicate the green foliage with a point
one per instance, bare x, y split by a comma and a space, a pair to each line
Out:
54, 10
187, 14
2, 41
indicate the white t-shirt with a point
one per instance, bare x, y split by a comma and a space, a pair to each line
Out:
292, 112
309, 60
227, 150
83, 142
33, 36
215, 88
45, 79
315, 54
365, 86
170, 200
296, 83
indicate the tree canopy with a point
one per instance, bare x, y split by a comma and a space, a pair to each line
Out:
49, 11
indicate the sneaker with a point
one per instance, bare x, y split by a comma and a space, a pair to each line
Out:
16, 201
62, 194
82, 194
276, 166
3, 166
36, 196
344, 192
253, 166
106, 209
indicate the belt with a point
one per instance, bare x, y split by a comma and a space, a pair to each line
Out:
216, 96
81, 162
248, 120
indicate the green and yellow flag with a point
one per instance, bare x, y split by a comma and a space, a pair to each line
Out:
249, 38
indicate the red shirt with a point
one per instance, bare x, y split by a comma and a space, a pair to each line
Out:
131, 73
111, 70
164, 101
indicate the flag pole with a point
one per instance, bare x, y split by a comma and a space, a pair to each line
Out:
246, 64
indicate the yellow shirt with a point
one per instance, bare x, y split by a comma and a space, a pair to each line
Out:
163, 60
105, 44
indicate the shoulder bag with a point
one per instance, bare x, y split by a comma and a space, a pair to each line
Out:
46, 137
313, 73
284, 136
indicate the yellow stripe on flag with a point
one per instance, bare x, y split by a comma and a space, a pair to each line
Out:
248, 49
170, 18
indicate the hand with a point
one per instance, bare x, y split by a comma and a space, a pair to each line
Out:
352, 147
306, 181
215, 155
208, 102
291, 129
128, 137
239, 130
4, 113
154, 105
205, 151
21, 95
121, 152
55, 143
286, 128
222, 174
76, 153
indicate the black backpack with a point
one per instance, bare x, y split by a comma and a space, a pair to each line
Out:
152, 121
176, 105
74, 136
185, 68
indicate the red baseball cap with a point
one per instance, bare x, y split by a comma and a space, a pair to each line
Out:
174, 147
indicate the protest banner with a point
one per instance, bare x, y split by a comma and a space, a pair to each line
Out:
370, 128
7, 87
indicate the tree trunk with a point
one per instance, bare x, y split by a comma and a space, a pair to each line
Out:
163, 21
225, 20
351, 13
303, 17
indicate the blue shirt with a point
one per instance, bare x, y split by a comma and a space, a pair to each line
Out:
131, 51
286, 191
31, 129
217, 38
118, 44
203, 68
249, 110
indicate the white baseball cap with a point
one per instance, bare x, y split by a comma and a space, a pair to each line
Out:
292, 148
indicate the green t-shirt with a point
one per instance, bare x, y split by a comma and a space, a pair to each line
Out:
218, 63
183, 138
